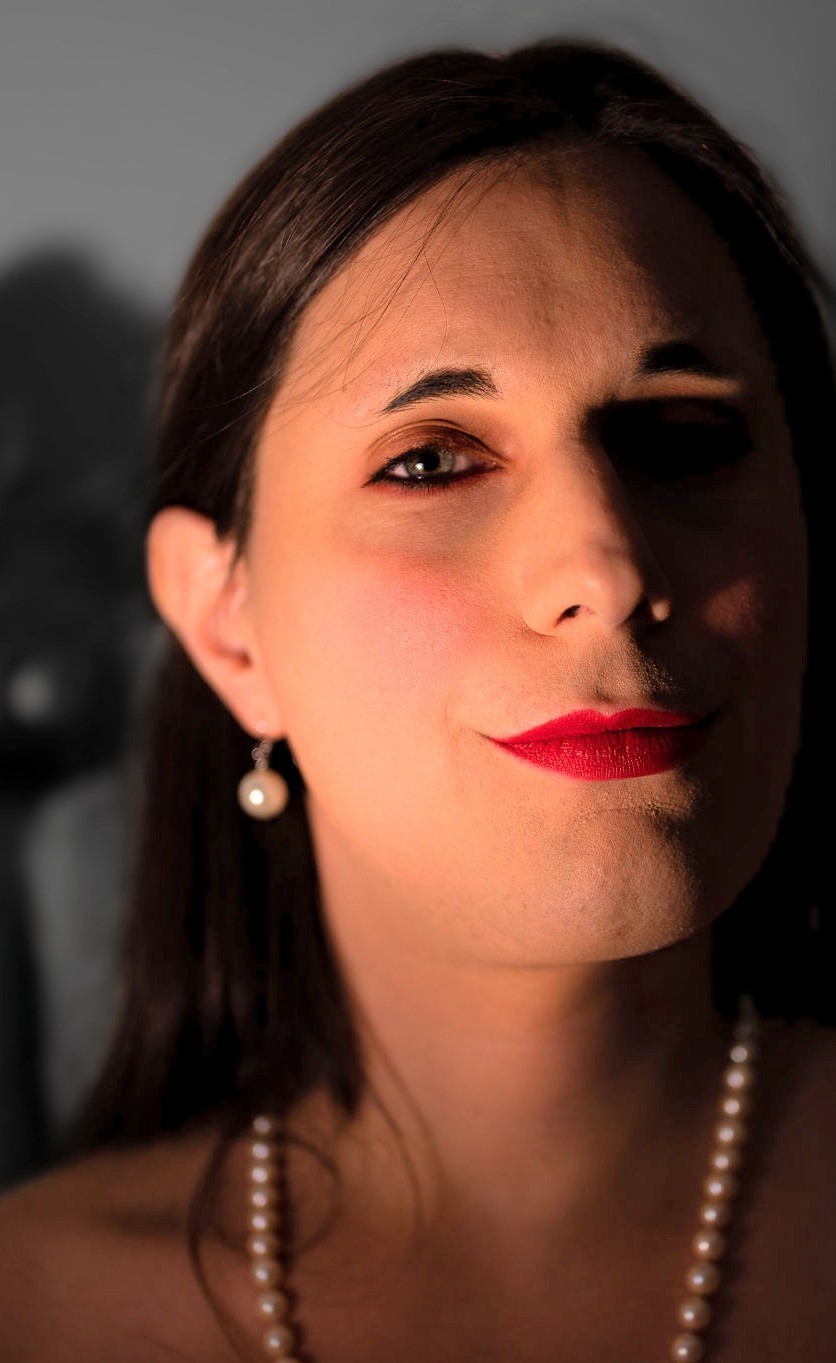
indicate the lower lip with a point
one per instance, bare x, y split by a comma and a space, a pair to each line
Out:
616, 755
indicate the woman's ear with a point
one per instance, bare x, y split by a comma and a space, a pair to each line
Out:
200, 590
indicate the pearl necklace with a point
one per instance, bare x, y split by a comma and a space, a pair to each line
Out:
702, 1279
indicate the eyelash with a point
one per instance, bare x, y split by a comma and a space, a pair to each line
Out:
427, 484
728, 442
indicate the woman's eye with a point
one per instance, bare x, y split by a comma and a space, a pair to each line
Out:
644, 436
428, 467
666, 448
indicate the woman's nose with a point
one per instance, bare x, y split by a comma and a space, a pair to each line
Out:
585, 554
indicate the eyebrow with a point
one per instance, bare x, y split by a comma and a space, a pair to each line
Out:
445, 383
668, 357
679, 357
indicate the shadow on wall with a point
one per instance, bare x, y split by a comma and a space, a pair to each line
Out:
76, 643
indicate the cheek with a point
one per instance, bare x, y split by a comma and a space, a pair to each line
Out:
740, 566
376, 639
761, 600
759, 611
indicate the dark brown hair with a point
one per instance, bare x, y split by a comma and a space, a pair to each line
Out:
231, 1001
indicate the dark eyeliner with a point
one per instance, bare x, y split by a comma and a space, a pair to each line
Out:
437, 482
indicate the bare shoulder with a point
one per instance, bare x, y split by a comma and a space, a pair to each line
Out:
94, 1263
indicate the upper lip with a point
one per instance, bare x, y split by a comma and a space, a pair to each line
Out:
579, 722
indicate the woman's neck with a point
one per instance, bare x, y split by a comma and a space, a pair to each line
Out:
527, 1094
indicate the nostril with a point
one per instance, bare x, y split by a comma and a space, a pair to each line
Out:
571, 612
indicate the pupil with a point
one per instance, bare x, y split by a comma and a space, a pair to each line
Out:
428, 461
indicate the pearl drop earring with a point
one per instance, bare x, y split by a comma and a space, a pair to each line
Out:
262, 793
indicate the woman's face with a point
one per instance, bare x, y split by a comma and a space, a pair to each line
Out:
628, 535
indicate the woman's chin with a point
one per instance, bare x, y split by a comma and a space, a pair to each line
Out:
626, 895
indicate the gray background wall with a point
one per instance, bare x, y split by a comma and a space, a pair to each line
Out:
122, 125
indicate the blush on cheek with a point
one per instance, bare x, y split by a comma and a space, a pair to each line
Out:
379, 650
402, 631
409, 629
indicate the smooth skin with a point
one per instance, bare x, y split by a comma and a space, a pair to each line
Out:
528, 954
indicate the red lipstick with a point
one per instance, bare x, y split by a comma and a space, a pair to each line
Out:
595, 747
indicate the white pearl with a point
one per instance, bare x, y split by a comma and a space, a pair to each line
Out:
261, 1173
739, 1078
687, 1348
743, 1053
709, 1244
715, 1213
262, 1150
273, 1305
263, 1246
694, 1313
278, 1341
703, 1277
265, 1124
264, 1195
719, 1185
265, 1272
727, 1158
262, 794
735, 1105
266, 1220
730, 1132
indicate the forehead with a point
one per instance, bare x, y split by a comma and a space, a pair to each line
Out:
567, 266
